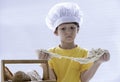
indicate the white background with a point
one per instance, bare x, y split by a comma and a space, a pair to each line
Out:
23, 31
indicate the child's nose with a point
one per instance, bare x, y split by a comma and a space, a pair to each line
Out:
68, 31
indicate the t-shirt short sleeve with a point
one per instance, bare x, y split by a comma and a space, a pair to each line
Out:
50, 62
85, 66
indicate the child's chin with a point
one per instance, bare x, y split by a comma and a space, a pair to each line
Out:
69, 41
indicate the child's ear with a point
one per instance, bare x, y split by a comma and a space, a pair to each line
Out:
56, 32
77, 30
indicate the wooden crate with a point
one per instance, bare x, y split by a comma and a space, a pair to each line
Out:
3, 62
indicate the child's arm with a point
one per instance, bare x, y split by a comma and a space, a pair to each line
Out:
87, 75
52, 75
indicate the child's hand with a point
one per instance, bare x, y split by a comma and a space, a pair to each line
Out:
42, 55
105, 57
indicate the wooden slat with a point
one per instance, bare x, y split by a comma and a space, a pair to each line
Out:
2, 71
35, 81
23, 61
3, 62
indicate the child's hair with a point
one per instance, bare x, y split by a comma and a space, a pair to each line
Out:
64, 13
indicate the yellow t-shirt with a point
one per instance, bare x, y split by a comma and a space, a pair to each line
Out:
68, 70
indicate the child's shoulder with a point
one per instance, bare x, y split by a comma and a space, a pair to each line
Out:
82, 49
52, 49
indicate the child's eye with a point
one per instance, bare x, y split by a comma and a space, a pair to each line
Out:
63, 29
72, 27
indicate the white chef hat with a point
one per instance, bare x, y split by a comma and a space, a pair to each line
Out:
63, 13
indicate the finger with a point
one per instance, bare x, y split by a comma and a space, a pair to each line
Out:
39, 53
42, 56
46, 57
107, 52
106, 56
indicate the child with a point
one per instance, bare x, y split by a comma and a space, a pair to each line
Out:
65, 20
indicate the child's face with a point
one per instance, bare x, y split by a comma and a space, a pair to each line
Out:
67, 32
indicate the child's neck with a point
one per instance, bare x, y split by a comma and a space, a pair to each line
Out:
67, 45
